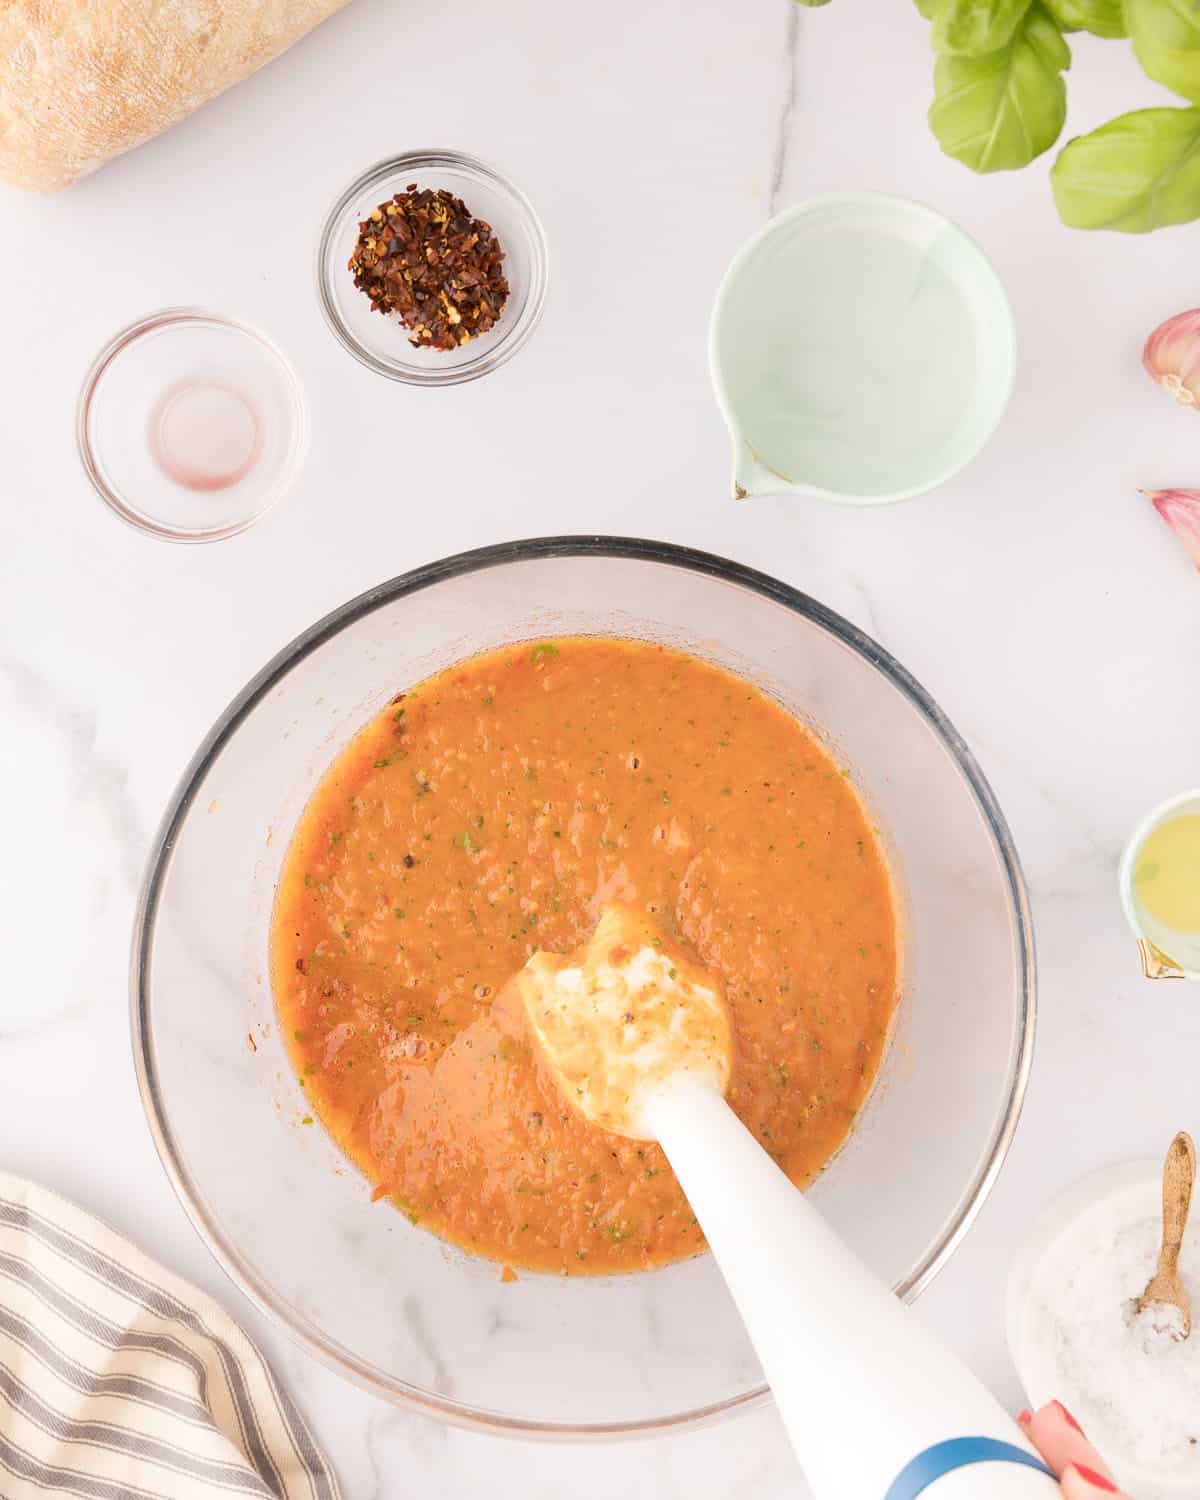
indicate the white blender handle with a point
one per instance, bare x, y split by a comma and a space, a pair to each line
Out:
863, 1389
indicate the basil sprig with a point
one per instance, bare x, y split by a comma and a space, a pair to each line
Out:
999, 110
1166, 38
1100, 17
1000, 101
974, 28
1139, 172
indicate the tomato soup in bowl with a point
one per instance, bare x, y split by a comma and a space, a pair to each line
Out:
900, 1067
486, 813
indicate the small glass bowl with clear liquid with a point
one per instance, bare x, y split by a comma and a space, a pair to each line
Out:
862, 349
191, 426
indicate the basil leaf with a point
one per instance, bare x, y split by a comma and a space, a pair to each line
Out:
1166, 38
812, 3
974, 27
928, 8
1139, 172
998, 112
1100, 17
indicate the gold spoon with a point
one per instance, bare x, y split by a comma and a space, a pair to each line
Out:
1166, 1285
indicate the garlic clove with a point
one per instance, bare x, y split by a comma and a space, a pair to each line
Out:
1180, 509
1172, 357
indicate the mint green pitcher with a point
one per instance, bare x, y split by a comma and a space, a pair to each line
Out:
862, 349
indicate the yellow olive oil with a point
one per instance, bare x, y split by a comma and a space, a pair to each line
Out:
1166, 876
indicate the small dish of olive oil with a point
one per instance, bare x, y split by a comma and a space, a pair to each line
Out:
1160, 888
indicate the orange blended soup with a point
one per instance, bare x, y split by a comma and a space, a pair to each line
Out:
491, 811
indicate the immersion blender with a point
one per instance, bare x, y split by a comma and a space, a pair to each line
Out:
639, 1040
875, 1407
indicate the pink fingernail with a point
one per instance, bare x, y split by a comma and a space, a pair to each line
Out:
1070, 1419
1098, 1481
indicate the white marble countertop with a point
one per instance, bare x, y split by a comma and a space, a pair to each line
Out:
1037, 596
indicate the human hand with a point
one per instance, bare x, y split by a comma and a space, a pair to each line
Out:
1058, 1437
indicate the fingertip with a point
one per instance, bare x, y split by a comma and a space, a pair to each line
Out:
1057, 1436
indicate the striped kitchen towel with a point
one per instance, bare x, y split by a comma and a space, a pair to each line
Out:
119, 1381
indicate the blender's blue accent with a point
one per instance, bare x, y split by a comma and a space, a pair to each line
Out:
956, 1453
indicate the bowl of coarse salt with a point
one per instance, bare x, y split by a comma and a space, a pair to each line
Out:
1076, 1335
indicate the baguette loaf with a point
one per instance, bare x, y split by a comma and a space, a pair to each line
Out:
83, 80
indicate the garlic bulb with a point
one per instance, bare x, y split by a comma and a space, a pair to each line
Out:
1180, 509
1172, 357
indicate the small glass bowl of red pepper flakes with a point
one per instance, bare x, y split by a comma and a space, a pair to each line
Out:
379, 339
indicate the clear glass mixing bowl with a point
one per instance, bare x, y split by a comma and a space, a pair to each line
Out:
390, 1305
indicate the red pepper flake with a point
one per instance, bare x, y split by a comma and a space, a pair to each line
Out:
422, 256
300, 966
250, 1042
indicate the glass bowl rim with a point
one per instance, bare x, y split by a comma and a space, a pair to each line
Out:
508, 344
462, 564
140, 520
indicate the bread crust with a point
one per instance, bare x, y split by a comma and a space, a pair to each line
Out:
83, 80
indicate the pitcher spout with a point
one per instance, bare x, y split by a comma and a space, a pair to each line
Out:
1156, 964
752, 477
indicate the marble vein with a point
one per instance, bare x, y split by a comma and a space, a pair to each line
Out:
783, 128
99, 777
93, 781
414, 1318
